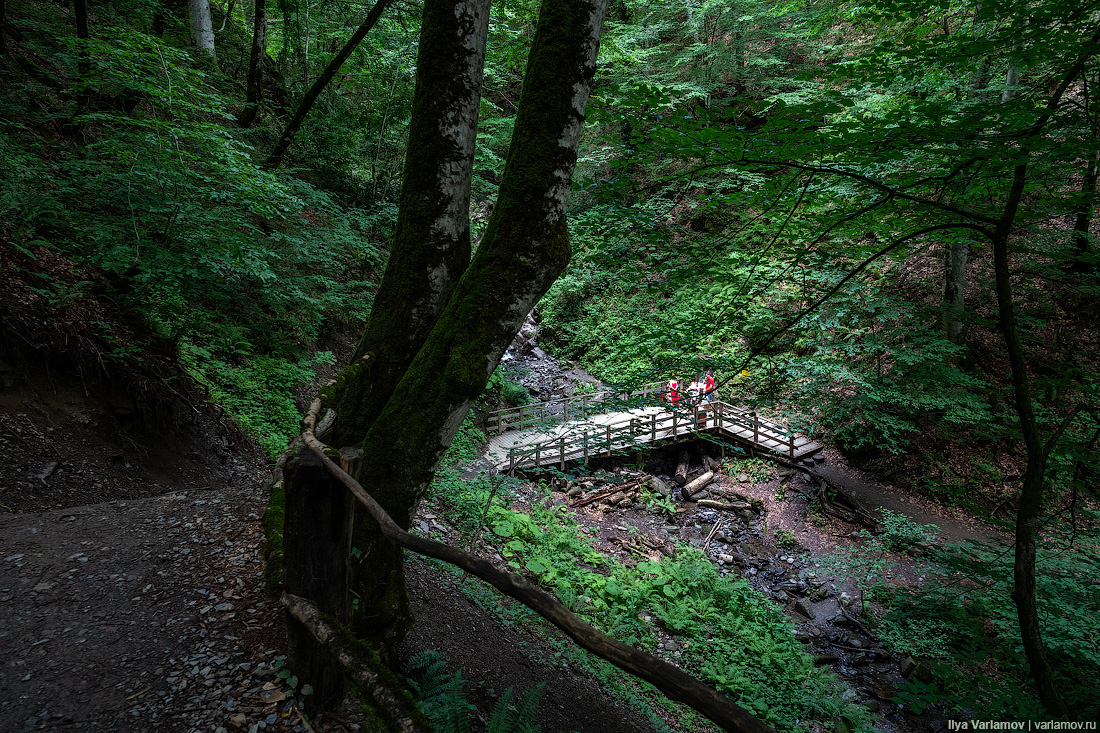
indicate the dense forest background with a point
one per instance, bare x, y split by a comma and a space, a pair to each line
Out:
874, 221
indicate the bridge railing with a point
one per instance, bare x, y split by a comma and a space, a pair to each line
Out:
589, 441
564, 409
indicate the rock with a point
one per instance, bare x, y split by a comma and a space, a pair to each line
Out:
782, 596
660, 486
845, 600
238, 720
574, 492
805, 608
725, 559
743, 477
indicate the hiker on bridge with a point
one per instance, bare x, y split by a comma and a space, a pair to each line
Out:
694, 389
709, 386
674, 392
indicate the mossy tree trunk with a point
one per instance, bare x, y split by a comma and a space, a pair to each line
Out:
431, 247
439, 327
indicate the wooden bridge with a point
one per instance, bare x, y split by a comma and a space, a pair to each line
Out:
583, 427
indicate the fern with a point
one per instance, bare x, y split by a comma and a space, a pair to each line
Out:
516, 718
441, 699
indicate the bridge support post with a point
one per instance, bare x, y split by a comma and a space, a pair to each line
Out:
608, 441
561, 452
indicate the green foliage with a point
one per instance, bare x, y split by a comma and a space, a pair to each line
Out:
899, 532
238, 267
964, 622
257, 391
504, 385
440, 697
466, 445
750, 651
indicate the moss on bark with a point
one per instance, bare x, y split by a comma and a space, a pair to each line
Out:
524, 249
431, 246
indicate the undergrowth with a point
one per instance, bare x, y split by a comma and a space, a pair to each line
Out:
732, 637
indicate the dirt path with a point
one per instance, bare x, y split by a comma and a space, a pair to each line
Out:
137, 615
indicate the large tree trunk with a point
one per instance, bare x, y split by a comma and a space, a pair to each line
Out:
524, 249
276, 157
255, 65
431, 246
1084, 253
202, 32
430, 252
1031, 495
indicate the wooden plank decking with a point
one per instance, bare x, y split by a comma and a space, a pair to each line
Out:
618, 431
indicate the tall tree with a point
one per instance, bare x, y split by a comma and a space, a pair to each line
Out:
254, 85
202, 31
428, 352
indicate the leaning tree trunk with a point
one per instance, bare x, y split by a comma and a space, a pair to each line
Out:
255, 65
524, 249
202, 32
1031, 495
431, 247
276, 158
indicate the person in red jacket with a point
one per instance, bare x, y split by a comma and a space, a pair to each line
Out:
709, 385
674, 392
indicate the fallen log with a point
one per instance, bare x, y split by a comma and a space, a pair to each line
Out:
682, 466
698, 483
612, 492
730, 507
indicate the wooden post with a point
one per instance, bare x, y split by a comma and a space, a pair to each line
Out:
538, 454
316, 547
584, 444
790, 437
608, 441
653, 428
561, 452
673, 422
755, 429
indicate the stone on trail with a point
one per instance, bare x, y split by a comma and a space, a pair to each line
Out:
660, 486
803, 606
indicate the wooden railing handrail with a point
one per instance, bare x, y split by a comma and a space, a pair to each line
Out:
496, 418
603, 436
